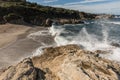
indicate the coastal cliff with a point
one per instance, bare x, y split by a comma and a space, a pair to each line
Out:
63, 63
68, 62
21, 12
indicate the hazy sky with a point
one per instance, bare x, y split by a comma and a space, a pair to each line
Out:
92, 6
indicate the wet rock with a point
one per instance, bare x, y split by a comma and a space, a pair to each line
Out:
115, 44
102, 52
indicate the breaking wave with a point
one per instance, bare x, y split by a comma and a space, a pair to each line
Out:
94, 36
99, 36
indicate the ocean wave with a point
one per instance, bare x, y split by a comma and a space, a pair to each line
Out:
90, 38
114, 23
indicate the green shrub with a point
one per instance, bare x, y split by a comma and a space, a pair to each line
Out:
11, 16
28, 11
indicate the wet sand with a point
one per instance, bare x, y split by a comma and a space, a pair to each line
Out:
15, 45
10, 32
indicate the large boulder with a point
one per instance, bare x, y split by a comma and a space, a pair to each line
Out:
63, 63
72, 63
22, 71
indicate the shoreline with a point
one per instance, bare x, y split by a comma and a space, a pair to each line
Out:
11, 31
63, 60
54, 62
22, 46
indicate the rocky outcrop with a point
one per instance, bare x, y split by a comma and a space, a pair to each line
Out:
72, 63
22, 71
104, 16
13, 18
63, 63
35, 14
48, 22
70, 21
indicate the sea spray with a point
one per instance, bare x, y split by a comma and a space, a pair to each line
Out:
56, 31
83, 38
94, 36
105, 33
112, 22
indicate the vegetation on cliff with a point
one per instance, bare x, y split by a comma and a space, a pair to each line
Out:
37, 14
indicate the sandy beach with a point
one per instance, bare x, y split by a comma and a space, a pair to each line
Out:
14, 44
10, 32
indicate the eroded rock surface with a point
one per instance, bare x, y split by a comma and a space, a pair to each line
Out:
72, 63
63, 63
22, 71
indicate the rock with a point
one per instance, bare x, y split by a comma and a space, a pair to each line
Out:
104, 16
13, 18
22, 71
71, 21
38, 20
63, 63
2, 21
48, 22
78, 22
115, 44
102, 51
71, 63
65, 21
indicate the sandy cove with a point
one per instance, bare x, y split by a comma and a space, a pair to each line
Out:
14, 46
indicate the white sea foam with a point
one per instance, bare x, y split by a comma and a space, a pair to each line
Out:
38, 51
56, 30
117, 17
88, 41
84, 38
39, 33
35, 37
112, 22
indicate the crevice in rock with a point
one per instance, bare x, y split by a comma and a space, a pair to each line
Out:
40, 74
85, 73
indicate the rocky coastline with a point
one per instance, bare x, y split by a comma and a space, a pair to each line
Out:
17, 12
68, 62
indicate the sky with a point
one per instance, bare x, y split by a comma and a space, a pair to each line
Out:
90, 6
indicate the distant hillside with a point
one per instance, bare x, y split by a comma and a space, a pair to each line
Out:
13, 0
26, 12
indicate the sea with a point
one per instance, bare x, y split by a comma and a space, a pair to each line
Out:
101, 35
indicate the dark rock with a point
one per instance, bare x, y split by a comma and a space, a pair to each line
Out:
48, 22
115, 44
